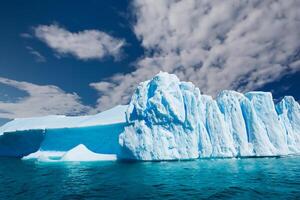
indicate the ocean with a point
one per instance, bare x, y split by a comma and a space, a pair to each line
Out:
249, 178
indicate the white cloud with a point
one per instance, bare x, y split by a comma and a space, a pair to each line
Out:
218, 45
84, 45
41, 100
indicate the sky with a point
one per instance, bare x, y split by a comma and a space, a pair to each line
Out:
82, 57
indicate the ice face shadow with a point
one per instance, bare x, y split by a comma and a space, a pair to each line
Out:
21, 143
99, 139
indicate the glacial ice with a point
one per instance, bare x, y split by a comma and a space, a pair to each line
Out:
229, 103
111, 116
289, 115
169, 119
220, 137
162, 121
99, 133
45, 156
263, 104
79, 153
82, 153
166, 119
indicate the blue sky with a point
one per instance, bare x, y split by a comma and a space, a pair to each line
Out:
71, 57
72, 75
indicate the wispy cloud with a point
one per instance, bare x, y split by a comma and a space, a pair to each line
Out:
239, 45
37, 55
84, 45
25, 35
41, 100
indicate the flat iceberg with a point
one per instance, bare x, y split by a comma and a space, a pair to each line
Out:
30, 138
166, 119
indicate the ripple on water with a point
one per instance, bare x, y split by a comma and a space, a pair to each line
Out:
263, 178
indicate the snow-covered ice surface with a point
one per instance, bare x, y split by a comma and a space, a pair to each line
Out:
112, 116
166, 119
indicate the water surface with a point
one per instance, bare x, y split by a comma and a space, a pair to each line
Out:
252, 178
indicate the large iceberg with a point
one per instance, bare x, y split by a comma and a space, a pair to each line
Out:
163, 121
166, 119
169, 120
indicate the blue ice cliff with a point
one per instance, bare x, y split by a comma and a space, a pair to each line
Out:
166, 119
163, 120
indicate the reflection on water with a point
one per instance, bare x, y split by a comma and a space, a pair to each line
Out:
272, 178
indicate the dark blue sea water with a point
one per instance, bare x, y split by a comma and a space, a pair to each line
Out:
253, 178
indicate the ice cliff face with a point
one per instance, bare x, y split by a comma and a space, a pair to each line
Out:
229, 103
169, 119
267, 118
166, 119
289, 115
163, 120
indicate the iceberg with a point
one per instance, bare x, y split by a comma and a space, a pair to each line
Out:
99, 133
166, 119
162, 121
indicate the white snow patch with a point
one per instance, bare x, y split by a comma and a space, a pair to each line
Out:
82, 153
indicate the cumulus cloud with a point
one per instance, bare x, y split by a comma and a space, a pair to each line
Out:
40, 101
240, 45
84, 45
